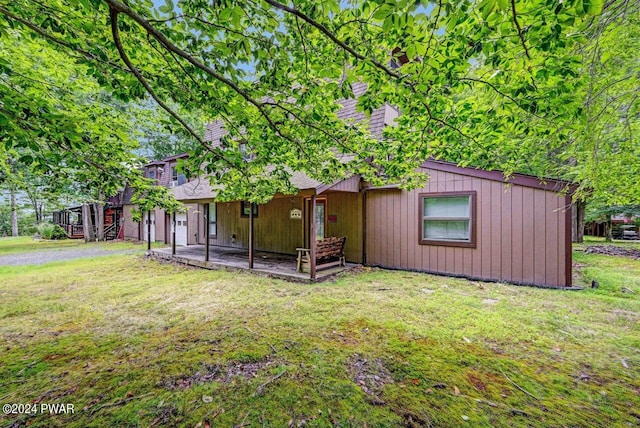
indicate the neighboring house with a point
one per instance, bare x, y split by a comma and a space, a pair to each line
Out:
72, 220
621, 225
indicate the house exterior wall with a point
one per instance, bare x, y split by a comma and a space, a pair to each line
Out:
131, 228
520, 232
276, 232
193, 212
347, 207
160, 225
273, 229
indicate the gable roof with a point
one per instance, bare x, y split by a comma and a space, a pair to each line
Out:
379, 118
496, 175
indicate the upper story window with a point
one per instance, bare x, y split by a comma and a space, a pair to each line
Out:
448, 218
152, 173
174, 173
246, 207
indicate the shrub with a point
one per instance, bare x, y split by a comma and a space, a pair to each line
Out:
51, 231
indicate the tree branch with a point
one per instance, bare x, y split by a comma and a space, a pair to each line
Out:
119, 7
324, 30
515, 21
113, 14
56, 40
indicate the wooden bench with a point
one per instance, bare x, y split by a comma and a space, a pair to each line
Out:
329, 252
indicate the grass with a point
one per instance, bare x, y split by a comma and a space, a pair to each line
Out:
131, 342
25, 244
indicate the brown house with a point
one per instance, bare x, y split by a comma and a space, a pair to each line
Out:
465, 222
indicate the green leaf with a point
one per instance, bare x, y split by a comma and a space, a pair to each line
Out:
593, 7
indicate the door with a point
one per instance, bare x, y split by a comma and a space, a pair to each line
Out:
145, 227
181, 229
319, 217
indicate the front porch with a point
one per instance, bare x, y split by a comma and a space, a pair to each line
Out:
274, 265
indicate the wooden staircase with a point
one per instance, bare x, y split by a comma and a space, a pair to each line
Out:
111, 232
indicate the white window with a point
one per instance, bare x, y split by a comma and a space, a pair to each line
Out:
213, 220
447, 219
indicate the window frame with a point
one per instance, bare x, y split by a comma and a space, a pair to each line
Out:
243, 206
472, 194
209, 222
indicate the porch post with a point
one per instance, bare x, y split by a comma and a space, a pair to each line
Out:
312, 238
250, 236
173, 233
207, 212
149, 230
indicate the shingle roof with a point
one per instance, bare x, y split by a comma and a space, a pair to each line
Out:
215, 130
349, 111
200, 189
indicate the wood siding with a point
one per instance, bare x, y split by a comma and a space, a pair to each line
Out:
160, 225
520, 232
349, 185
347, 208
276, 232
194, 215
131, 228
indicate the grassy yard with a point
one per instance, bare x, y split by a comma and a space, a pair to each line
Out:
130, 342
24, 244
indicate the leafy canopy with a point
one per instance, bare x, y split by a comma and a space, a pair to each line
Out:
493, 83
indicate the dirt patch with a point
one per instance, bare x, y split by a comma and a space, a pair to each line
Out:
166, 415
477, 382
217, 373
370, 375
612, 250
414, 420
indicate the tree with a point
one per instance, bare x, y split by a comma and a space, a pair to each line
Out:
275, 73
62, 134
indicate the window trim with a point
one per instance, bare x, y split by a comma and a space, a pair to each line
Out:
243, 205
472, 219
209, 222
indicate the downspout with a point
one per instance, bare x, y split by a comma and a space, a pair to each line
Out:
149, 230
173, 233
312, 239
250, 235
364, 227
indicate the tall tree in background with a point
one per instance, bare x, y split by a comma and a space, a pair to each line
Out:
61, 133
275, 73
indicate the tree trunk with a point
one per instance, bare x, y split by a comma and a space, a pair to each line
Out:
99, 210
581, 214
608, 230
87, 223
577, 214
14, 212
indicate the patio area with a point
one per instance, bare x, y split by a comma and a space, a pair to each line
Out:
282, 266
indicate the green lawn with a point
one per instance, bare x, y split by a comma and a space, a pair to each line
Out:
131, 342
24, 244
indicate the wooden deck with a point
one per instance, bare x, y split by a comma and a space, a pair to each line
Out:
280, 266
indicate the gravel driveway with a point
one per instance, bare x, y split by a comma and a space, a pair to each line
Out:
54, 255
